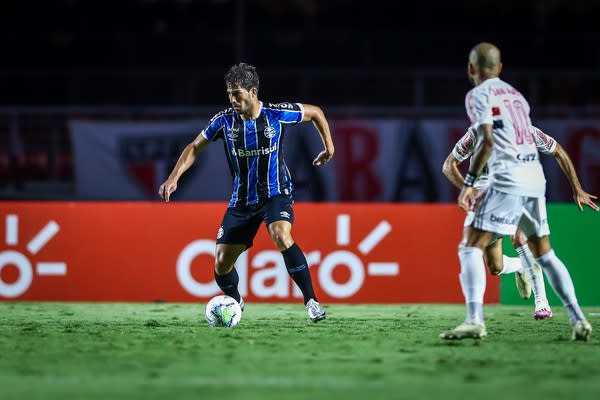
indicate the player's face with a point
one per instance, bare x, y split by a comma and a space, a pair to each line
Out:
240, 98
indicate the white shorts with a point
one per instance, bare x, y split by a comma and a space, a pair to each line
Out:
468, 221
501, 213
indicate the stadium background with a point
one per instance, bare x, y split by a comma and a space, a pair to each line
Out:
98, 99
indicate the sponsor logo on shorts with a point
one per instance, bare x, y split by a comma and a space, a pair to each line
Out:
503, 220
285, 214
220, 232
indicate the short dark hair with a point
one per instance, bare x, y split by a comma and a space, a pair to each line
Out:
242, 74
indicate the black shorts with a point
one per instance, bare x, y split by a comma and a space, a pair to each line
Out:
240, 224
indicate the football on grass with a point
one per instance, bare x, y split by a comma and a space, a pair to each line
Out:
223, 311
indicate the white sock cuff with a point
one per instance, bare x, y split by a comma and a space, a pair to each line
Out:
475, 251
546, 257
511, 265
523, 250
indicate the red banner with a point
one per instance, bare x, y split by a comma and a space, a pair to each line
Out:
103, 251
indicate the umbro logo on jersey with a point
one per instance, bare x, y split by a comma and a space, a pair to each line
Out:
270, 132
232, 136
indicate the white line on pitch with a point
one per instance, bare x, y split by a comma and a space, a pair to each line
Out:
376, 235
51, 268
382, 269
43, 237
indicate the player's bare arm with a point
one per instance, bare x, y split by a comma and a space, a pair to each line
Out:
185, 161
479, 159
579, 195
451, 171
315, 114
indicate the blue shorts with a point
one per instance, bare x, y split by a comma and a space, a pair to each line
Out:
240, 224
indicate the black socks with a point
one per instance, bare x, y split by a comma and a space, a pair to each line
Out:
297, 267
229, 284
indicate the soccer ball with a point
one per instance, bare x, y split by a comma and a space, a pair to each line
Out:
223, 311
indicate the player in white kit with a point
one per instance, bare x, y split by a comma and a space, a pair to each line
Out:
527, 279
515, 196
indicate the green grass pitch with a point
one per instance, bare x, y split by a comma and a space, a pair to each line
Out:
166, 351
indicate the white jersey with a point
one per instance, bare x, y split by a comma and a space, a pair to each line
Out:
514, 165
465, 147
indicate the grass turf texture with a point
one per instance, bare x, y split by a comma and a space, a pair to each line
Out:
158, 351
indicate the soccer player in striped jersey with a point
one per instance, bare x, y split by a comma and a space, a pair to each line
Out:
253, 135
515, 195
527, 278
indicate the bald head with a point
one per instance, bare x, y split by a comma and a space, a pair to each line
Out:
485, 58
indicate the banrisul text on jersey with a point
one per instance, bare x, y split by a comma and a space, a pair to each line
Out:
254, 149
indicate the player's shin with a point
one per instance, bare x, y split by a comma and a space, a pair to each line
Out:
297, 267
229, 283
472, 282
536, 278
561, 282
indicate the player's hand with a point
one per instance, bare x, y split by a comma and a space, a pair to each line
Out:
466, 198
582, 198
477, 193
323, 157
165, 190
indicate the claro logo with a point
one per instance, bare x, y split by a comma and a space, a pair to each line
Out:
270, 278
23, 260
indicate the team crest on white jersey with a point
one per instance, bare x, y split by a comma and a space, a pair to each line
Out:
270, 132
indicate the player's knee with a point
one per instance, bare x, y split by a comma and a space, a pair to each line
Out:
281, 237
494, 269
518, 241
223, 269
223, 263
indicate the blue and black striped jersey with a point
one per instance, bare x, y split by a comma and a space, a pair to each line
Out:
255, 150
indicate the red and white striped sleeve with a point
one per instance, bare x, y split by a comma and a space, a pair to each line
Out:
545, 143
465, 146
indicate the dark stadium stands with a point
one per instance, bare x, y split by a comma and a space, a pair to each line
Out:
405, 58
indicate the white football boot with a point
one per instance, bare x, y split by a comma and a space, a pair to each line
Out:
582, 330
523, 285
316, 313
466, 330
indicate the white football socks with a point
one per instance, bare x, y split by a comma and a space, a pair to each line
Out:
472, 282
537, 281
561, 282
511, 265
